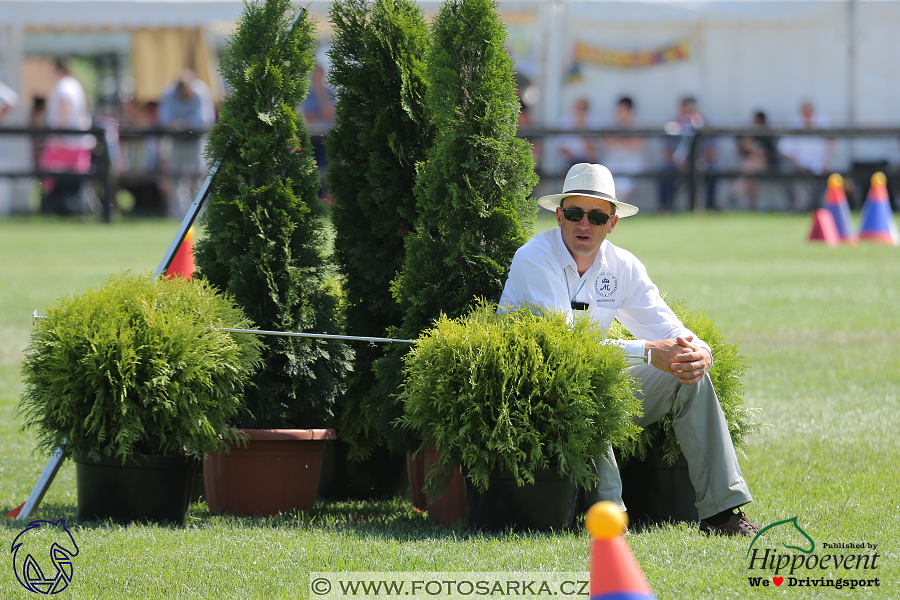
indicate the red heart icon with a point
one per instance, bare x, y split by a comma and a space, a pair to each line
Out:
778, 580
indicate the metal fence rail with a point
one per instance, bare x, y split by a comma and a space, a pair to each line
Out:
106, 173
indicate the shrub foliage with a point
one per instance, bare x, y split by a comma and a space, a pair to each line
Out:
382, 130
264, 240
472, 191
521, 390
135, 367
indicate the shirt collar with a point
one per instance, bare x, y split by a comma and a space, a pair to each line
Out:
564, 257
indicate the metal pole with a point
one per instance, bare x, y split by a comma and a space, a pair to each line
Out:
329, 336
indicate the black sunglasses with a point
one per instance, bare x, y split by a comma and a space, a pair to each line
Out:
595, 217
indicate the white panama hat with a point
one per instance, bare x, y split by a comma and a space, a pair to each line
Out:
586, 179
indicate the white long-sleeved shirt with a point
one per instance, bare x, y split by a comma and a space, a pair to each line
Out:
615, 286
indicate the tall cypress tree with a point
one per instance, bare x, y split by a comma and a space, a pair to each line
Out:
382, 130
473, 191
263, 239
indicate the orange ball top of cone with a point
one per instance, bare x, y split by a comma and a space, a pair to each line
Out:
605, 520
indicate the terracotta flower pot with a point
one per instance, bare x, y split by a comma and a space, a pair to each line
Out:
277, 472
449, 508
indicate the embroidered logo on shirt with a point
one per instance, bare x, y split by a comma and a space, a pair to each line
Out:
605, 284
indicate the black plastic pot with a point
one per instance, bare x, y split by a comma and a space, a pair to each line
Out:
382, 475
653, 491
548, 504
148, 488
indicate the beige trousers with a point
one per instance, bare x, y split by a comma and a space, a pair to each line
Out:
700, 426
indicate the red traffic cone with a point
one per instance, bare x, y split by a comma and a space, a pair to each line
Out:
836, 203
876, 222
824, 229
182, 264
615, 575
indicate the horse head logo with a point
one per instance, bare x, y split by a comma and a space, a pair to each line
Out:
40, 540
792, 521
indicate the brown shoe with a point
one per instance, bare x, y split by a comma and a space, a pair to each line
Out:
737, 524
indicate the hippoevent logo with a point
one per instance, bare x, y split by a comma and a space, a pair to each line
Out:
854, 563
42, 556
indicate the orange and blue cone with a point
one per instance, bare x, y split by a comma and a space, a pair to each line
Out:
836, 203
182, 264
615, 575
876, 220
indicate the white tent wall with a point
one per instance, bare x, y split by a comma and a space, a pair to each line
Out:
875, 81
743, 57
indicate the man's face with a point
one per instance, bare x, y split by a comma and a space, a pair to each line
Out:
582, 238
623, 113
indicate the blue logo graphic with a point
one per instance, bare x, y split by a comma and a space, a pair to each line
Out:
36, 542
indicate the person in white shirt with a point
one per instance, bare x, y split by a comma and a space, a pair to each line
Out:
67, 108
808, 155
574, 267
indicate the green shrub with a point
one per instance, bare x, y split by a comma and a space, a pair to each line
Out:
727, 374
382, 130
473, 190
522, 390
264, 241
135, 367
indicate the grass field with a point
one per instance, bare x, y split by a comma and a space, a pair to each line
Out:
820, 327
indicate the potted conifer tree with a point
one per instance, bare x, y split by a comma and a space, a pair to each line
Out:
136, 382
472, 191
264, 245
523, 401
382, 129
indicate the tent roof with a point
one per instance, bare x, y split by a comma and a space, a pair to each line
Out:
136, 14
117, 14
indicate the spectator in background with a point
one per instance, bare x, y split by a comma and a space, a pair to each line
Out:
756, 154
676, 155
808, 155
574, 149
66, 109
528, 93
624, 155
185, 105
142, 158
318, 110
8, 100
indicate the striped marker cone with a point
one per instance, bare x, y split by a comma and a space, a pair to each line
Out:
823, 228
183, 262
615, 575
836, 203
876, 222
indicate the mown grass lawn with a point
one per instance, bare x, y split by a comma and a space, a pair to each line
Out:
819, 326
